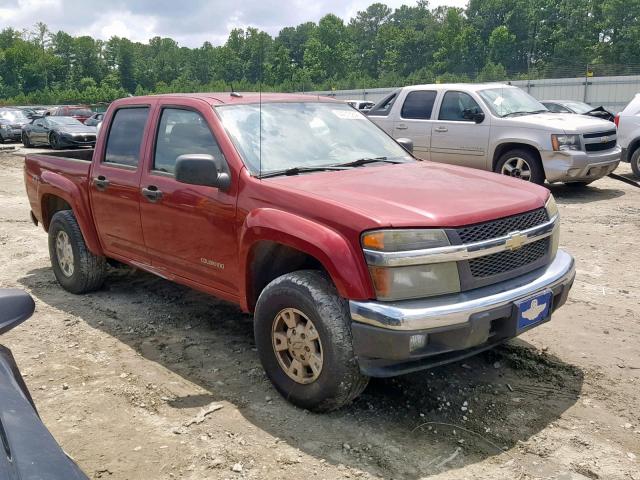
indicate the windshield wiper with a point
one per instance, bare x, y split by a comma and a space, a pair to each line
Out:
363, 161
299, 170
524, 113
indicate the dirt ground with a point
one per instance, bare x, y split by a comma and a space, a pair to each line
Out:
126, 378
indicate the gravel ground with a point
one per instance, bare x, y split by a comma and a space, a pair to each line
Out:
146, 379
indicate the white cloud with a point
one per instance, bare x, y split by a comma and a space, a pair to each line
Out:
189, 22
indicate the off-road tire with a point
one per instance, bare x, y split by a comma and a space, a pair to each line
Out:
311, 292
89, 269
25, 141
635, 162
537, 171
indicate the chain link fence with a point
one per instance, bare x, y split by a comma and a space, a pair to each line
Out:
608, 85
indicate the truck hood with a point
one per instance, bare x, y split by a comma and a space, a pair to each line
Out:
559, 123
417, 194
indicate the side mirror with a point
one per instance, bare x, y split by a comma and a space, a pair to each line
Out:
202, 169
15, 307
405, 143
473, 114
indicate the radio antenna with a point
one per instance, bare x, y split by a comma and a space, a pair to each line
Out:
260, 108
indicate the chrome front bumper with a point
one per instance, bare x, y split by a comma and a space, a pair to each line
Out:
456, 310
579, 166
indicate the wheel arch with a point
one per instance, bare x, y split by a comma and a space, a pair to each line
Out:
502, 148
274, 242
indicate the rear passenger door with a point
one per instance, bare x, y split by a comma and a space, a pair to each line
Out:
189, 230
456, 139
415, 122
115, 185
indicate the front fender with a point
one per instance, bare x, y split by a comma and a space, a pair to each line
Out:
52, 183
337, 255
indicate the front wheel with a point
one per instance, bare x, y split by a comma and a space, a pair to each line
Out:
635, 162
54, 141
75, 267
521, 164
303, 335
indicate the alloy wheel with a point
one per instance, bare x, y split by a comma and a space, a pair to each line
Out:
517, 167
64, 253
297, 346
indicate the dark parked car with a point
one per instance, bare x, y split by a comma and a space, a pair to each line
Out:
79, 112
579, 108
27, 449
34, 111
11, 122
94, 119
58, 132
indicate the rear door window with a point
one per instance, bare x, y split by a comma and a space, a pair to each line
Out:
182, 132
125, 136
418, 105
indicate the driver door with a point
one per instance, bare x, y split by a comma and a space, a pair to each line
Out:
39, 131
189, 230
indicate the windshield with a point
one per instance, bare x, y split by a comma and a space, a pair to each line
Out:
305, 134
64, 120
510, 100
578, 107
14, 116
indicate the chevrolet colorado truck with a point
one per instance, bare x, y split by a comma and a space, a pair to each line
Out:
356, 259
499, 128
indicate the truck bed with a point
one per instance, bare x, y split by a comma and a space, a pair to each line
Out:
46, 172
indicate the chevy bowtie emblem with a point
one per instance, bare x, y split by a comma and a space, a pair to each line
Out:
515, 241
604, 139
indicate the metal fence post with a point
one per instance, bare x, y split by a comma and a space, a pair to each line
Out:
586, 83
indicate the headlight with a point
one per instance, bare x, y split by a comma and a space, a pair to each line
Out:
5, 127
415, 281
565, 142
403, 240
412, 281
551, 207
552, 211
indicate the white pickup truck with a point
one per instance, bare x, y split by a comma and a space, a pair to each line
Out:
628, 123
499, 128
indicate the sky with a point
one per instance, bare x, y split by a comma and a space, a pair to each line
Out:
189, 22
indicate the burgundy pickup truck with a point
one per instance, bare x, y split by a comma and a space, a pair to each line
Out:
356, 259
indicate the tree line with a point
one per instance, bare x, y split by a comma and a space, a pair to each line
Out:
380, 46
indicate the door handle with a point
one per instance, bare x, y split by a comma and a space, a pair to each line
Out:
152, 193
402, 126
101, 183
441, 129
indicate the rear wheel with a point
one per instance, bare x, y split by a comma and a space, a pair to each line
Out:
522, 164
75, 267
635, 162
303, 335
25, 140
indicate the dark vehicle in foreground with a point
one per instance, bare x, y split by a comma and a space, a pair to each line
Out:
94, 119
79, 112
11, 123
58, 132
579, 108
27, 449
356, 259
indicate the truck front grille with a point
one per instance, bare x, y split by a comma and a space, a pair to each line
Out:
498, 267
502, 227
599, 147
507, 261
